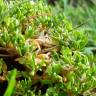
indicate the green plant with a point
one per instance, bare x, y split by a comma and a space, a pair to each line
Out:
46, 51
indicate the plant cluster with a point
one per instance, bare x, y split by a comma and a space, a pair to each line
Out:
40, 52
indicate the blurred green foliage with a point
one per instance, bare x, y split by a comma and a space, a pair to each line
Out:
72, 71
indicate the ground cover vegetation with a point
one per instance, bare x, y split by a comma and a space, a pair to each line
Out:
44, 50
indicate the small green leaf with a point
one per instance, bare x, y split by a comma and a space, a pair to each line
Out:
11, 84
